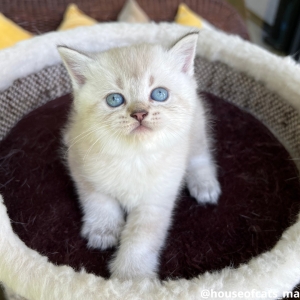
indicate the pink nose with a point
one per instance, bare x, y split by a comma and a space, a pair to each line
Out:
139, 115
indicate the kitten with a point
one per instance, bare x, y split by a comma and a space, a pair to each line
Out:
136, 130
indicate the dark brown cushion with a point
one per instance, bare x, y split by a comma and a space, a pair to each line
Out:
260, 196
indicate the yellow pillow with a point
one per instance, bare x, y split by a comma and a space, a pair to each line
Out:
11, 33
185, 16
74, 17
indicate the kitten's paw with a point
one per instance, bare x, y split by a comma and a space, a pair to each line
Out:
102, 235
133, 266
206, 190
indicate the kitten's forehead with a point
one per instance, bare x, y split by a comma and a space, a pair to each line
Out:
133, 62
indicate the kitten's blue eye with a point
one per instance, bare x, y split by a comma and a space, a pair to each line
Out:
114, 100
159, 94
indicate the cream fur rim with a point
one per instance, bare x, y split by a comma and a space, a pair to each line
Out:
29, 274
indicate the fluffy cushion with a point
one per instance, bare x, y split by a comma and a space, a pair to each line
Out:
260, 193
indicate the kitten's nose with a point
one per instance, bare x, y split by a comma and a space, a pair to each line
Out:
139, 115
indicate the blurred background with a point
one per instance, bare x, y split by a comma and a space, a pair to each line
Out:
272, 24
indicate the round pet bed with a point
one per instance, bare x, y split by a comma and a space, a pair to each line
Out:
247, 243
254, 169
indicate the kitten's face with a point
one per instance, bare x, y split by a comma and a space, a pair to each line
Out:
135, 93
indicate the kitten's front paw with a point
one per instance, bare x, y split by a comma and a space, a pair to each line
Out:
101, 234
205, 189
133, 266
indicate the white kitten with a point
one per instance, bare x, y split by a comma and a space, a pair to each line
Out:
136, 129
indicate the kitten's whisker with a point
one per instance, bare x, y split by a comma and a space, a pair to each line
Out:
89, 150
92, 131
77, 138
93, 128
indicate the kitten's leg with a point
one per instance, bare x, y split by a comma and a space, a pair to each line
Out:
201, 174
202, 179
142, 238
103, 220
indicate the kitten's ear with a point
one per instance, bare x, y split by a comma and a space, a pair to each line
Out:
184, 51
76, 64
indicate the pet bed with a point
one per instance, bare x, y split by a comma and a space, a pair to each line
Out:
237, 246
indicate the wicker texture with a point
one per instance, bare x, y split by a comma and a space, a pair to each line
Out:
42, 16
223, 81
29, 93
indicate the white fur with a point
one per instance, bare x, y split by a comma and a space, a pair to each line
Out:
142, 172
31, 275
103, 220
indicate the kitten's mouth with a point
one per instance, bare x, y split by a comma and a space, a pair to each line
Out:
140, 128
